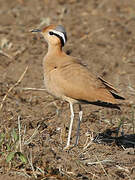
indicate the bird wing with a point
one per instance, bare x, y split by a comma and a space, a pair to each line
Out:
75, 81
108, 85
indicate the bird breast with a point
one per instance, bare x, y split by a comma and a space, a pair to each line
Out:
51, 69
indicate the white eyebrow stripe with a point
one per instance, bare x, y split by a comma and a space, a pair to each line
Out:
60, 34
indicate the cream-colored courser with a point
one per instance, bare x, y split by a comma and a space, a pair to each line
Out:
68, 79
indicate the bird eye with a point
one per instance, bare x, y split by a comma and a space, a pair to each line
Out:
51, 33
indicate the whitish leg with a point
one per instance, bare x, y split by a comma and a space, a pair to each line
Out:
71, 124
78, 127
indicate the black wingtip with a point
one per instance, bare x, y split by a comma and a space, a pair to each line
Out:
117, 96
107, 105
103, 104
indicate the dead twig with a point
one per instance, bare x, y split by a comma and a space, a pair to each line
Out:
19, 128
100, 163
88, 172
32, 89
33, 135
5, 54
12, 87
31, 164
105, 161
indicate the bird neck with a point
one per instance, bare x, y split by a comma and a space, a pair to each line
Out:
54, 49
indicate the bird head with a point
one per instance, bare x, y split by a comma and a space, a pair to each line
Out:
53, 34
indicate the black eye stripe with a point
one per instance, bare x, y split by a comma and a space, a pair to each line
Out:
61, 39
51, 33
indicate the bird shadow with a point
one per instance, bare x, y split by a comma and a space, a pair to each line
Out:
111, 136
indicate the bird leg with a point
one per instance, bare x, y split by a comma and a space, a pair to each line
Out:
71, 124
78, 127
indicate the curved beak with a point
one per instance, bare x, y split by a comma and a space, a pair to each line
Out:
35, 30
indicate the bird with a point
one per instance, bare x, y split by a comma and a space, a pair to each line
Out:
69, 79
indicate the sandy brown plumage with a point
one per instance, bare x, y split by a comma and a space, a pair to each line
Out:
67, 78
74, 80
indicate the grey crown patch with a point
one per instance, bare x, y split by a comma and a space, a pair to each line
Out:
60, 28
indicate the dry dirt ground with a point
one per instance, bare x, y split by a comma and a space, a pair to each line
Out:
33, 125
